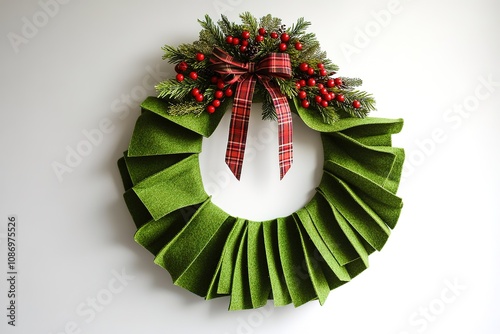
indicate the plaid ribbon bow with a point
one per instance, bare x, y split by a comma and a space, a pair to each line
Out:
246, 75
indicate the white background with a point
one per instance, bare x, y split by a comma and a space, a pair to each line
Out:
423, 62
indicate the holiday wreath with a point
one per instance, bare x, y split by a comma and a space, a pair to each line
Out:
212, 253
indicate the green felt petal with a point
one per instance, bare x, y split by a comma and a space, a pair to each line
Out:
203, 124
257, 265
229, 256
173, 188
312, 264
357, 213
279, 288
331, 233
154, 135
306, 221
240, 290
367, 126
292, 259
140, 168
191, 257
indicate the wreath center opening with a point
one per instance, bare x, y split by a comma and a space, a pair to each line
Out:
260, 194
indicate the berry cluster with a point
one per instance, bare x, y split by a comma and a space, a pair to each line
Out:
218, 95
182, 68
250, 46
318, 86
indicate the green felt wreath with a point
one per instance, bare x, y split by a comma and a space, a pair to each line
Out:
291, 259
212, 254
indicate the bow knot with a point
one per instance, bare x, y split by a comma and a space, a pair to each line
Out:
246, 75
251, 67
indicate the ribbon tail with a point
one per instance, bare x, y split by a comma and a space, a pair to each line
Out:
238, 128
285, 127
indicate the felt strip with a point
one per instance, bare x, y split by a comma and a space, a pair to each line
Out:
140, 168
197, 276
151, 137
374, 163
203, 124
212, 288
126, 179
173, 188
308, 224
364, 184
358, 214
229, 256
292, 258
369, 124
138, 211
188, 244
313, 259
327, 226
279, 288
240, 290
353, 237
156, 234
258, 275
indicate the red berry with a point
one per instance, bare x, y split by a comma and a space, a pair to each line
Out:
200, 56
310, 71
338, 81
228, 92
305, 103
297, 85
331, 95
330, 83
236, 41
193, 75
245, 34
218, 94
285, 37
220, 84
229, 39
274, 35
320, 86
262, 31
318, 99
323, 72
327, 97
214, 79
210, 109
243, 48
195, 91
302, 82
216, 103
199, 97
179, 77
356, 104
340, 98
181, 67
303, 67
324, 104
298, 46
259, 38
323, 91
244, 42
282, 47
302, 95
311, 82
320, 65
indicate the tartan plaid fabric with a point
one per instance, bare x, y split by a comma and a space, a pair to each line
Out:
246, 75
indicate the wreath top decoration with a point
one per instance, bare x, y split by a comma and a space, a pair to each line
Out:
290, 259
279, 66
